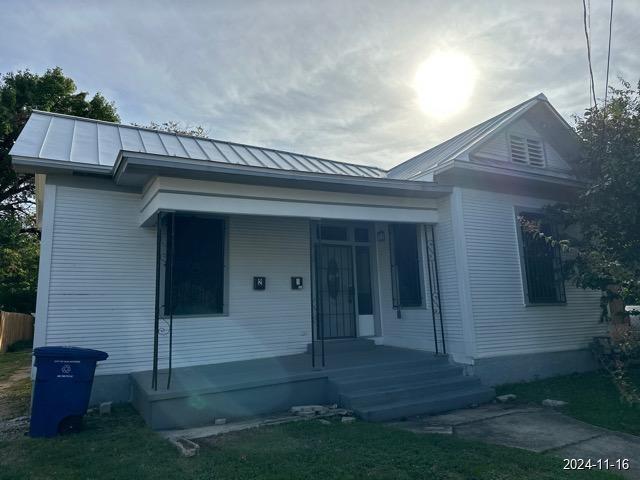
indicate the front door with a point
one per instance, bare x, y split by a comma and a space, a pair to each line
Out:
336, 292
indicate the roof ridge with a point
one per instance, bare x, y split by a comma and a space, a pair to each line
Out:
154, 130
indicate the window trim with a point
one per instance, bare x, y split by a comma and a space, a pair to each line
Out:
518, 211
525, 137
225, 293
422, 279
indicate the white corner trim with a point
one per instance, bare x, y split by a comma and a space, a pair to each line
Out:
462, 269
44, 267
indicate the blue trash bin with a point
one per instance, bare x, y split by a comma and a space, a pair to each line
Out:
62, 388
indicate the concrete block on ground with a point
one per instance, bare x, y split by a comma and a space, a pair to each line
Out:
309, 410
105, 408
548, 402
220, 421
348, 419
186, 447
509, 397
440, 429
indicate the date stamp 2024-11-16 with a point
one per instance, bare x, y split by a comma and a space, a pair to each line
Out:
596, 464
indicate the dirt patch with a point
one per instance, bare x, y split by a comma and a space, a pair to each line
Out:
15, 393
15, 377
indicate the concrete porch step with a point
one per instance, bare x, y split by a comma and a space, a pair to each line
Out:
438, 403
397, 378
387, 368
343, 345
416, 391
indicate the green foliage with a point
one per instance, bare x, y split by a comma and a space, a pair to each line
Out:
605, 250
19, 249
22, 92
20, 345
176, 127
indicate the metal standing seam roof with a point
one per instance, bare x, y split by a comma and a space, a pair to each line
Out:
461, 143
83, 142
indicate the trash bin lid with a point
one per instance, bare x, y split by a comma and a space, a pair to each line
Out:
70, 352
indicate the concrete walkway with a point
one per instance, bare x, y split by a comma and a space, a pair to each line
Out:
538, 429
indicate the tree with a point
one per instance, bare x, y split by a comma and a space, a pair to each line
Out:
22, 92
604, 249
18, 266
606, 252
176, 127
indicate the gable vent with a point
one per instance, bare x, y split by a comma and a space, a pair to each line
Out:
526, 151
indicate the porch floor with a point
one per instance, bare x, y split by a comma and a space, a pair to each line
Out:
376, 382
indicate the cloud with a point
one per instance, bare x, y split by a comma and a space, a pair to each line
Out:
325, 78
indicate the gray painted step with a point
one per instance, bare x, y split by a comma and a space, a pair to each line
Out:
396, 378
343, 345
435, 404
386, 368
416, 391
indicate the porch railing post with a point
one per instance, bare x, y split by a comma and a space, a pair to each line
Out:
435, 264
312, 297
171, 264
434, 288
156, 320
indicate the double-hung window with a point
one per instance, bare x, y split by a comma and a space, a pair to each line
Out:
198, 265
541, 260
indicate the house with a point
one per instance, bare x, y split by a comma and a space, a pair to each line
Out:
227, 280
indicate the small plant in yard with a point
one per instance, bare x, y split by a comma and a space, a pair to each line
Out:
626, 339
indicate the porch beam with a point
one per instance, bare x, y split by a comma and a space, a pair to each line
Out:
239, 205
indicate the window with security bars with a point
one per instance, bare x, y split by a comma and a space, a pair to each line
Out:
541, 261
198, 281
526, 151
405, 265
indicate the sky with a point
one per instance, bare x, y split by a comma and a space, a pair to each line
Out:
333, 79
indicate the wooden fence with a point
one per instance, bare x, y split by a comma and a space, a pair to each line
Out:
13, 328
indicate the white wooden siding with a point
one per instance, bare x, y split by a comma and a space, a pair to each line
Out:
415, 328
103, 282
503, 324
497, 146
449, 292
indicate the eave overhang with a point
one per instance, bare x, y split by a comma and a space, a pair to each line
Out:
136, 169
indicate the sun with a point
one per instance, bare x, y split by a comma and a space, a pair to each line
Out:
444, 83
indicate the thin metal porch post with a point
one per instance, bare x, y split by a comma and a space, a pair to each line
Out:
313, 297
171, 264
434, 287
156, 321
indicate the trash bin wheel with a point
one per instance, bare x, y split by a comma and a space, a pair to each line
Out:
70, 424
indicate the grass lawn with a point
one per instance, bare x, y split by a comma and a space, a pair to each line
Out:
121, 446
592, 397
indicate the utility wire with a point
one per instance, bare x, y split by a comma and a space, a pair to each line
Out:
586, 35
606, 85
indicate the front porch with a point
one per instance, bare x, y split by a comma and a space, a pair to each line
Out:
267, 297
377, 382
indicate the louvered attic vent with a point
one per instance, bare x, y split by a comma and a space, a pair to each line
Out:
526, 151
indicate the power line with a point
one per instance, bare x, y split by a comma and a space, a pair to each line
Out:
606, 85
586, 35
